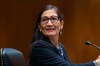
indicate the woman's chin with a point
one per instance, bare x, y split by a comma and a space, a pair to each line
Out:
51, 34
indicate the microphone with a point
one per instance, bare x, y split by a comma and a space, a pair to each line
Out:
89, 43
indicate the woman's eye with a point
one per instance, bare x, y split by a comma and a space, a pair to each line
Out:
54, 18
44, 19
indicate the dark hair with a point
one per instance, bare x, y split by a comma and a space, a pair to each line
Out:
37, 34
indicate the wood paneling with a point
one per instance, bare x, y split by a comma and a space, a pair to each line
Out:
81, 23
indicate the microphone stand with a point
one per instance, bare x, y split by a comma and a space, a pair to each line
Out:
96, 46
89, 43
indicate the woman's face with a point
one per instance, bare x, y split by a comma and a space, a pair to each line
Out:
50, 24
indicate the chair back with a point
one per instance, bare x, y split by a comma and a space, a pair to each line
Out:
11, 57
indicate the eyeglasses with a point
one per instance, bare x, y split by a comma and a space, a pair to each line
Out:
53, 19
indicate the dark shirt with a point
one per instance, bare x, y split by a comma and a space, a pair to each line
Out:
44, 53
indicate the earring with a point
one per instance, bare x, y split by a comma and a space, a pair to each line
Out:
60, 31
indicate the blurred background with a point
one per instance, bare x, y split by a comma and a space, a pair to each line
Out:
81, 23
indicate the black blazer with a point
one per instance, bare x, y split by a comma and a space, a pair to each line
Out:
44, 53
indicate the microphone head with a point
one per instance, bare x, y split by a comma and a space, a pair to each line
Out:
88, 43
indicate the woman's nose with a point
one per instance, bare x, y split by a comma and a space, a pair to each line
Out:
49, 22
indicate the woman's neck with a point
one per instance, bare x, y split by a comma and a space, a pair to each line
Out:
54, 40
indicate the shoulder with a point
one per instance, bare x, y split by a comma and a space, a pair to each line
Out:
41, 43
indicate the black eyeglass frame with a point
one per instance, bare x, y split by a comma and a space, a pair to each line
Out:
53, 19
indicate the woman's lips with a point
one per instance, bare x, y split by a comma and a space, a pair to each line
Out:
50, 29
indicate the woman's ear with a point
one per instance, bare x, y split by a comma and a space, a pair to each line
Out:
39, 27
62, 23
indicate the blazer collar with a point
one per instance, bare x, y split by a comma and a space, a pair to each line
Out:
54, 48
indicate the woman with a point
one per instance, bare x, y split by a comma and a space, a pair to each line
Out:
46, 48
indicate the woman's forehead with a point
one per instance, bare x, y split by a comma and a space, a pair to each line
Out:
49, 13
